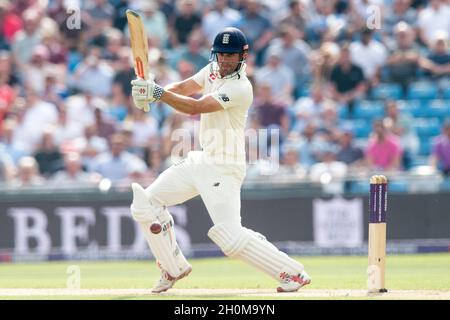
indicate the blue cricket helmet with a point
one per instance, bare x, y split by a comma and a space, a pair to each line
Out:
230, 40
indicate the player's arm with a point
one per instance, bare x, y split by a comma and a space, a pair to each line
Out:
188, 105
186, 87
177, 96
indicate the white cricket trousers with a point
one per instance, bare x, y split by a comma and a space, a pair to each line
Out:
219, 186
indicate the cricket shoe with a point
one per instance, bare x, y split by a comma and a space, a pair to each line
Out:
167, 281
291, 283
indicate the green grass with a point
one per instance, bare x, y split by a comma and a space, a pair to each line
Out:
403, 272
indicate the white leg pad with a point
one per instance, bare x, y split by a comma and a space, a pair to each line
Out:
253, 248
163, 245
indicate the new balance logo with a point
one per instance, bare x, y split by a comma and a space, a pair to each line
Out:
226, 38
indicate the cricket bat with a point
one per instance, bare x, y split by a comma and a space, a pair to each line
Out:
377, 234
139, 46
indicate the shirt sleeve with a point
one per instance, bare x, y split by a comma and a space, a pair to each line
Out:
234, 94
200, 76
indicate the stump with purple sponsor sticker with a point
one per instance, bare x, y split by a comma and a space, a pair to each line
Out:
377, 234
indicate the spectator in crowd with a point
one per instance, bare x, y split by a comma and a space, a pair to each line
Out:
81, 107
440, 156
34, 73
404, 56
438, 61
111, 51
328, 120
257, 28
8, 85
296, 16
433, 18
57, 47
99, 12
279, 76
309, 145
347, 80
47, 155
73, 175
90, 145
348, 152
383, 151
270, 112
66, 130
370, 55
27, 174
116, 164
290, 164
323, 60
154, 161
27, 38
10, 24
105, 126
155, 23
144, 129
124, 73
93, 72
328, 169
219, 18
187, 19
400, 11
7, 141
308, 108
401, 125
7, 167
294, 54
28, 135
193, 52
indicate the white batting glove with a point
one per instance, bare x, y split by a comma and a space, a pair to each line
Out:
142, 104
146, 90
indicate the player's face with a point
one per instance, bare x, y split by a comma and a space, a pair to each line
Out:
227, 62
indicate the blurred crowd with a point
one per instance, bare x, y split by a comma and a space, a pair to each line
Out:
67, 118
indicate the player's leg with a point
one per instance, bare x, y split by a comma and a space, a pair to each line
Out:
173, 186
223, 204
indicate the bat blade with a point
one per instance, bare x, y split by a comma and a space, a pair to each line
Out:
139, 45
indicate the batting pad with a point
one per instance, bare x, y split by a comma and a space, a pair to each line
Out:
163, 245
252, 247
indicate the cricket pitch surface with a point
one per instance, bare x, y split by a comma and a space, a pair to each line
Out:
238, 293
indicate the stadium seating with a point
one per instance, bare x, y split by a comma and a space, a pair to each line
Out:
446, 93
427, 126
436, 108
369, 110
425, 146
422, 90
387, 91
411, 107
361, 128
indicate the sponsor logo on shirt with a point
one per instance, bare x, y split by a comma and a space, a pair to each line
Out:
224, 97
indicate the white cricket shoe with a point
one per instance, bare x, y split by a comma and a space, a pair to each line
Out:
167, 281
291, 283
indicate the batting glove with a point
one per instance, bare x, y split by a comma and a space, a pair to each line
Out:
142, 104
146, 90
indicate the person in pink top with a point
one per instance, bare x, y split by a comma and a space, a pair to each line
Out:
383, 151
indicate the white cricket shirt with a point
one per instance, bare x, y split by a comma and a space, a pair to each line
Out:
222, 133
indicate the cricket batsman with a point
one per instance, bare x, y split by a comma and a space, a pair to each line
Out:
216, 173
